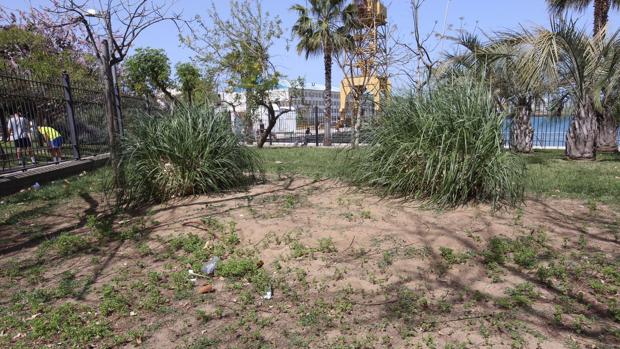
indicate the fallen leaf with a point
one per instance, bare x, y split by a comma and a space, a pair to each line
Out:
34, 316
206, 289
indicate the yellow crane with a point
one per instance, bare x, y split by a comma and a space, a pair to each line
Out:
369, 70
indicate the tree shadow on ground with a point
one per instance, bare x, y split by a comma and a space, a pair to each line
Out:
21, 240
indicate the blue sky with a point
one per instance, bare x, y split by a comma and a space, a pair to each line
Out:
485, 15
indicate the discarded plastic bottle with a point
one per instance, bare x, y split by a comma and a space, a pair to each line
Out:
209, 267
36, 186
269, 294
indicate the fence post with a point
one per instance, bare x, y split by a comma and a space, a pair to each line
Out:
316, 125
119, 110
66, 84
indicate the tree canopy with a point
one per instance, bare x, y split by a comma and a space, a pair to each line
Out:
148, 71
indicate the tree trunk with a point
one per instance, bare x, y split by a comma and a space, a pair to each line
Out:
167, 93
521, 131
110, 112
560, 109
327, 139
601, 15
357, 112
581, 136
271, 123
248, 129
607, 139
189, 98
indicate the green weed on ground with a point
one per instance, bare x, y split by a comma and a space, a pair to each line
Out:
310, 162
30, 203
550, 174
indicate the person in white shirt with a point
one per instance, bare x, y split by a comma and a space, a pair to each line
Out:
19, 129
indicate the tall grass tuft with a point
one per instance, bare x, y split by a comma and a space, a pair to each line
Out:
191, 150
443, 147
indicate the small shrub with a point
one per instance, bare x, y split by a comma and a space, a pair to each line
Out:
204, 342
443, 147
100, 227
326, 245
188, 243
525, 258
408, 305
112, 301
552, 271
144, 249
152, 299
231, 238
315, 315
365, 215
189, 151
520, 296
213, 223
180, 283
525, 252
299, 250
67, 286
387, 259
65, 245
75, 325
236, 267
496, 251
451, 257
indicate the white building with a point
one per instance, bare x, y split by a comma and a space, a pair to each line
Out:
300, 101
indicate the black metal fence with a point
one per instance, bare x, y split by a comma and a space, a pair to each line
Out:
295, 128
75, 113
292, 129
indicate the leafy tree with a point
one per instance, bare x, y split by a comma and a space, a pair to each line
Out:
239, 49
321, 29
24, 46
110, 31
189, 78
148, 71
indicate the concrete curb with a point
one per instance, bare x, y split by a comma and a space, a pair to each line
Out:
14, 182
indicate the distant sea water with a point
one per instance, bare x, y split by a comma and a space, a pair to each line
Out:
549, 131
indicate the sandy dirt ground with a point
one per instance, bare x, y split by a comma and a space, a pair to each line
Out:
349, 269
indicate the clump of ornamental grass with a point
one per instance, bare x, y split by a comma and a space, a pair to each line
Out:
443, 147
190, 150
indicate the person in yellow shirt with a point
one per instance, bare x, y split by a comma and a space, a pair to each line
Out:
54, 141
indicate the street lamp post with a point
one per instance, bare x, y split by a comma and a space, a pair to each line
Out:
117, 98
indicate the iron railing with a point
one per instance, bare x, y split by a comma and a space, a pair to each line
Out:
76, 112
549, 129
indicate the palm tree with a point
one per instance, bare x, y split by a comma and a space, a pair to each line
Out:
497, 62
586, 68
322, 29
601, 9
607, 133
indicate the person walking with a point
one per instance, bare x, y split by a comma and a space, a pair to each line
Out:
54, 141
307, 137
19, 132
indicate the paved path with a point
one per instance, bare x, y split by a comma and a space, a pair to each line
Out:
15, 181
